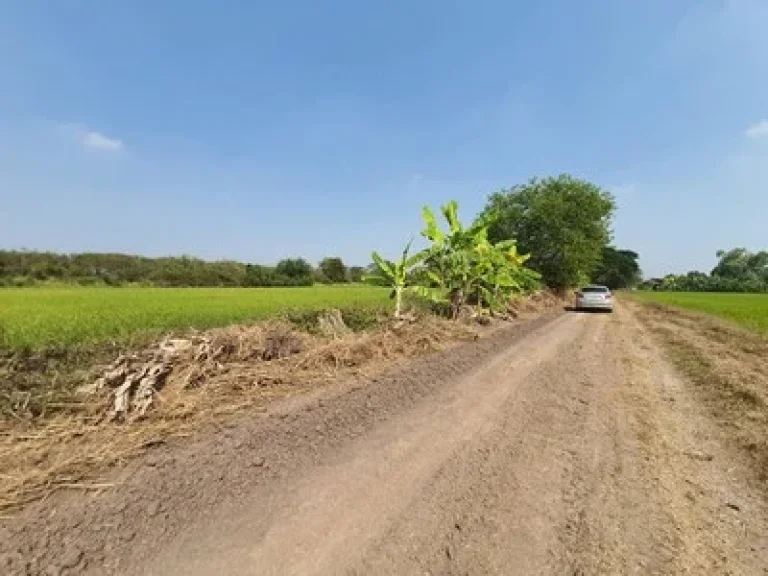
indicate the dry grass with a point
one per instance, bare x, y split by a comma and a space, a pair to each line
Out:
729, 367
65, 447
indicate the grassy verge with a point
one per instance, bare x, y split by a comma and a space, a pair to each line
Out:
748, 310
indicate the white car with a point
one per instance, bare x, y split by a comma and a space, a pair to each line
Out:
594, 297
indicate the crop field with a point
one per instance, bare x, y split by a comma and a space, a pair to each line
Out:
749, 310
41, 317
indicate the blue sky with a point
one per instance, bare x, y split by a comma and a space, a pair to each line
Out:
255, 131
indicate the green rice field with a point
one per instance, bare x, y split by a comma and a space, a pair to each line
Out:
42, 317
749, 310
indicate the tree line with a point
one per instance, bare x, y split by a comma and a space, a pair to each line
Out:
25, 268
563, 223
737, 270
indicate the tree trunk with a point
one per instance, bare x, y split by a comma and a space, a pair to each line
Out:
457, 299
398, 301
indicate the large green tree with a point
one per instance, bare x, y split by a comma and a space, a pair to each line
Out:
563, 222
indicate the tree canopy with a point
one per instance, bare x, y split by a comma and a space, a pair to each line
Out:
296, 269
618, 269
741, 264
334, 269
355, 273
563, 222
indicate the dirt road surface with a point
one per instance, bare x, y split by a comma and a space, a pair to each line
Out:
565, 445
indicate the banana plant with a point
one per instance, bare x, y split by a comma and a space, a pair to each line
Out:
396, 275
464, 264
454, 256
460, 264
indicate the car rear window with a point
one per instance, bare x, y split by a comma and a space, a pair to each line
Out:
594, 290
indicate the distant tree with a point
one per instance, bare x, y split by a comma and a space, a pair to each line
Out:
26, 267
758, 264
355, 273
563, 222
319, 277
732, 263
737, 270
334, 269
742, 265
294, 268
618, 269
256, 275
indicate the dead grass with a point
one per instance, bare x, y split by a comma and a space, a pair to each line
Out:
63, 448
729, 367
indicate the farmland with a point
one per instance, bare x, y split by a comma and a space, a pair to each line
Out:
39, 317
749, 310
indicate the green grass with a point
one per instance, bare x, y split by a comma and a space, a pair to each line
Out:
749, 310
42, 317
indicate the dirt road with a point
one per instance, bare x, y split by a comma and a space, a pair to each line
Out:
566, 445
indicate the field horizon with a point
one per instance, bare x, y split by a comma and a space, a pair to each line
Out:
746, 309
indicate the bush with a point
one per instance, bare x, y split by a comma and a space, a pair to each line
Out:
22, 281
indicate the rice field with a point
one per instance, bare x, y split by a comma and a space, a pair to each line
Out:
56, 316
749, 310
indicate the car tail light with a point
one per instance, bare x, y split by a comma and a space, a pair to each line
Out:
608, 296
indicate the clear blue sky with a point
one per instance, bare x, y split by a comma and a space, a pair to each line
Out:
259, 130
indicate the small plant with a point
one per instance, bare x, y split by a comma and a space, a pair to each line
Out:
396, 275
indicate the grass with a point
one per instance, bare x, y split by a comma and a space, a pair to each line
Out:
748, 310
36, 318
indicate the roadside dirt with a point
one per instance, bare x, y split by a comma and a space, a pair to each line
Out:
728, 368
563, 445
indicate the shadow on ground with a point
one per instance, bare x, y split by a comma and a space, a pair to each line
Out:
585, 310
